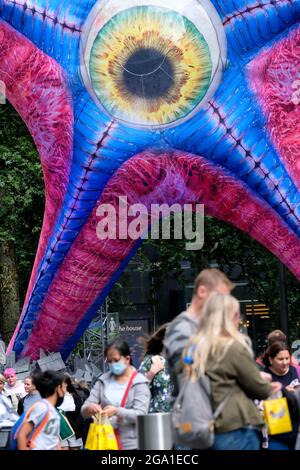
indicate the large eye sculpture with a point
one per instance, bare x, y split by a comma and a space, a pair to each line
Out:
152, 65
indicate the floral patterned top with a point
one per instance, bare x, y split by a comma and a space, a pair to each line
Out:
161, 387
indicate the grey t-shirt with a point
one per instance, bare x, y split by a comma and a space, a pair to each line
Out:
48, 437
115, 392
29, 400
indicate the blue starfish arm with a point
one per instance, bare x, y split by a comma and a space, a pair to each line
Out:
251, 25
55, 27
235, 138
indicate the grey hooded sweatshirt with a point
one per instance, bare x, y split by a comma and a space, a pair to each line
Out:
137, 403
177, 336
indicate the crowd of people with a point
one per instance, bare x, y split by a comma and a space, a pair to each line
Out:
207, 337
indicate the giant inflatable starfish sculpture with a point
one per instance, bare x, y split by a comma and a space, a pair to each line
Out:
190, 101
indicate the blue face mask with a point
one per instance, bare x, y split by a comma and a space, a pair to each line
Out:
117, 368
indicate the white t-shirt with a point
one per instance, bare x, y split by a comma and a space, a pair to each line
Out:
48, 437
68, 404
18, 389
8, 416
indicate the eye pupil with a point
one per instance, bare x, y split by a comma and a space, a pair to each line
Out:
148, 73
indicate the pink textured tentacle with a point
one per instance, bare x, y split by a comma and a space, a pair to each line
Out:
36, 87
275, 78
150, 178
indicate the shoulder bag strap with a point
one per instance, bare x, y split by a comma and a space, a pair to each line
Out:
221, 405
123, 403
124, 399
39, 426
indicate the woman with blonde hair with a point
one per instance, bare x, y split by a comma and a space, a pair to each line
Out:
225, 355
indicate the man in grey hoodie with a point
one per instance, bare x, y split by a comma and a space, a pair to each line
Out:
185, 324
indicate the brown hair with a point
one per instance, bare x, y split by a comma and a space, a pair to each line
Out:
273, 350
154, 345
275, 336
210, 278
121, 346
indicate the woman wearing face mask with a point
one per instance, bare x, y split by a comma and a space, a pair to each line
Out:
109, 393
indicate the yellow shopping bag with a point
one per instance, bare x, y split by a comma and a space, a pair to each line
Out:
91, 440
101, 435
109, 437
277, 416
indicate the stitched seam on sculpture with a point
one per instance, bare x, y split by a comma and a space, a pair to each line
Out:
44, 15
250, 9
248, 153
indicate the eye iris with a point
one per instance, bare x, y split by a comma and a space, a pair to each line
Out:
150, 66
148, 74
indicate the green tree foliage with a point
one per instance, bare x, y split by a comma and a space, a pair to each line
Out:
21, 192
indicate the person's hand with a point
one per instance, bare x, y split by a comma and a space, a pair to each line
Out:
157, 365
93, 409
260, 406
266, 376
276, 387
293, 385
290, 388
110, 411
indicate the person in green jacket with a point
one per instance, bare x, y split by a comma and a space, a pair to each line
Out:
226, 356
